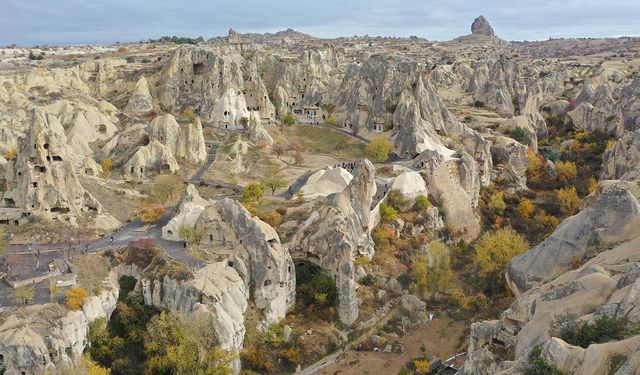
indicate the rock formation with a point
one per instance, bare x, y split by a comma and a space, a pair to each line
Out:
251, 246
141, 101
185, 142
481, 26
336, 232
622, 162
326, 182
257, 132
43, 178
612, 218
154, 157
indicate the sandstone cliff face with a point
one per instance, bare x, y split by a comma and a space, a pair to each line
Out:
596, 110
251, 246
257, 132
622, 162
44, 337
43, 179
185, 142
338, 231
455, 186
154, 157
214, 85
612, 218
496, 83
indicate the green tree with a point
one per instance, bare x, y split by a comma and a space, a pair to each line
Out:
378, 149
253, 193
288, 119
494, 250
273, 179
432, 270
538, 365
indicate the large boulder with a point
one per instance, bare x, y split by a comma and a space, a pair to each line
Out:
612, 218
481, 26
622, 162
325, 182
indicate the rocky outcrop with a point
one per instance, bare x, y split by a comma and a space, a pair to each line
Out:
185, 142
250, 245
498, 83
622, 162
613, 217
326, 182
481, 26
216, 292
337, 231
154, 157
43, 337
43, 180
596, 111
141, 102
532, 123
257, 132
455, 186
607, 284
214, 85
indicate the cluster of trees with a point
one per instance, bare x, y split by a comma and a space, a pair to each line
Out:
574, 331
295, 150
142, 339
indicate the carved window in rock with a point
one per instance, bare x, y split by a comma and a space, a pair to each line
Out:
267, 282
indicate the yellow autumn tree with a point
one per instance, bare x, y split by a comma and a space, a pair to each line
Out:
566, 171
535, 167
526, 208
75, 298
568, 200
151, 214
432, 270
11, 154
494, 250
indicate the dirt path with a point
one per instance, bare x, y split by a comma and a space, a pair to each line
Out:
439, 338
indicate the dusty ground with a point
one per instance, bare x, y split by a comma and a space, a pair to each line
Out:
440, 338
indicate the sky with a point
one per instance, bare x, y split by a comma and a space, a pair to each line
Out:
63, 22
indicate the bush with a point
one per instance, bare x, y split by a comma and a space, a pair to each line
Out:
604, 329
75, 297
494, 250
568, 200
367, 280
331, 120
253, 193
422, 203
288, 119
396, 200
496, 203
405, 279
11, 154
521, 135
478, 104
525, 208
190, 115
151, 214
378, 149
387, 212
540, 366
566, 171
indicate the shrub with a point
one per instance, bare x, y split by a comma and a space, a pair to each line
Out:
496, 203
405, 279
253, 193
422, 366
190, 115
566, 171
387, 212
151, 214
525, 208
288, 119
11, 154
367, 280
521, 135
331, 120
478, 104
396, 200
565, 327
422, 203
568, 200
477, 302
552, 154
107, 166
615, 362
378, 149
581, 333
539, 365
75, 297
